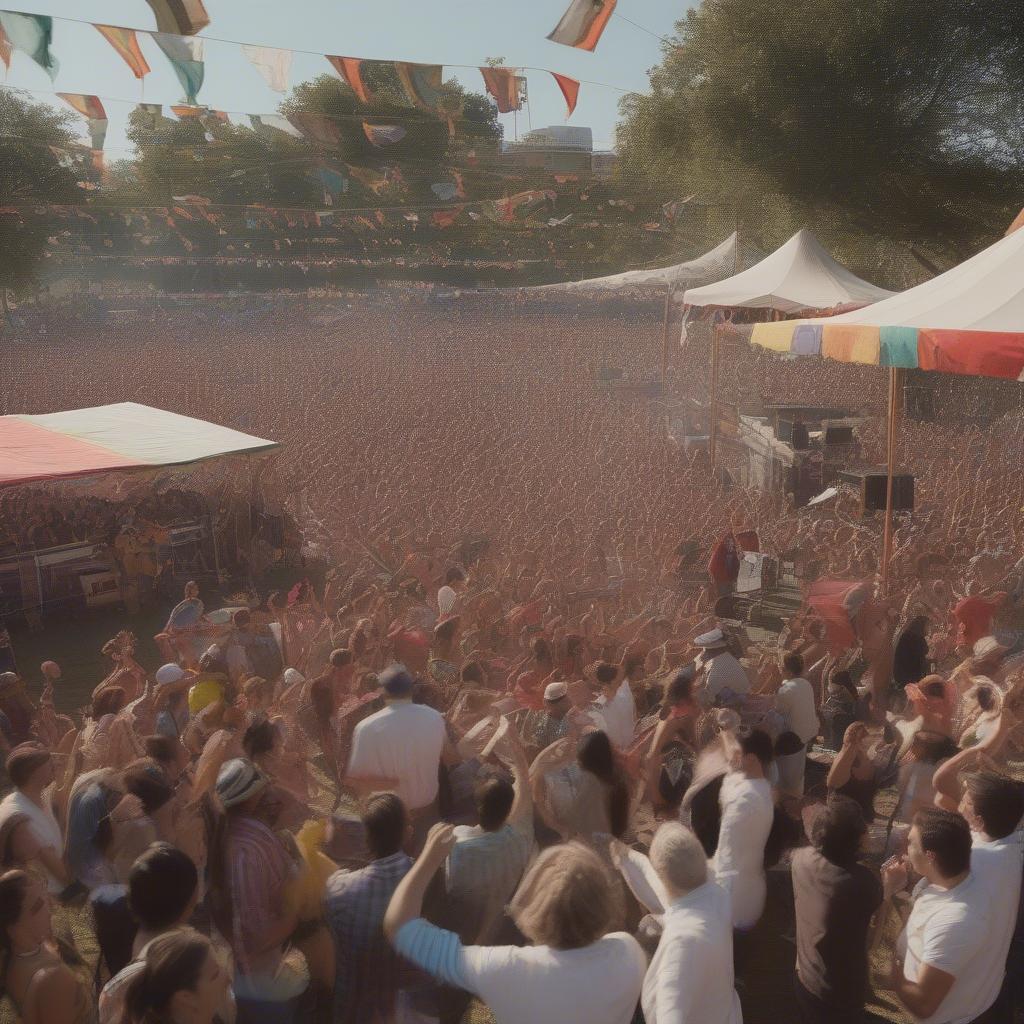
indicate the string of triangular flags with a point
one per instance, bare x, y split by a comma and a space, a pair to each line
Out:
32, 34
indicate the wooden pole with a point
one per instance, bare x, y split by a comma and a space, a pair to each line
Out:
664, 335
713, 440
894, 385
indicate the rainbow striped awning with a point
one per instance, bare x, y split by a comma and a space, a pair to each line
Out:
969, 320
974, 353
126, 436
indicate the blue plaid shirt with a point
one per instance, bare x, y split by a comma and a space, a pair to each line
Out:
369, 973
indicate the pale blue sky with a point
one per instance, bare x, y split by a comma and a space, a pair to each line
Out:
429, 31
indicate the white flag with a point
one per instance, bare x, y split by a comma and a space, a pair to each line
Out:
273, 64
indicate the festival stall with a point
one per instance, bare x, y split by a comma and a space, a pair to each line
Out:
84, 470
969, 320
799, 275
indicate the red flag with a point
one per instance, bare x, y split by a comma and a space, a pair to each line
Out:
5, 50
839, 603
348, 68
570, 90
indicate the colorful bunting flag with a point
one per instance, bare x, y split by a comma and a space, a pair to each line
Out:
349, 69
186, 57
316, 128
570, 90
444, 190
503, 86
126, 43
32, 34
262, 121
582, 24
5, 50
673, 209
181, 17
368, 177
150, 114
92, 110
444, 218
421, 83
273, 64
383, 134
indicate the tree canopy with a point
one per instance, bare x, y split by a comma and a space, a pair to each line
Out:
892, 123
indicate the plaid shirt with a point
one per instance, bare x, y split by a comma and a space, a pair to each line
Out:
259, 868
369, 973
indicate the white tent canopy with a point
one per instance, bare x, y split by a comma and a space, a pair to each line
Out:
799, 275
125, 436
717, 261
985, 293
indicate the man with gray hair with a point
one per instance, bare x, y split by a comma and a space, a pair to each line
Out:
690, 979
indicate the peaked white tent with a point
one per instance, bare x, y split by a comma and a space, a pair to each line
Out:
799, 275
969, 320
719, 260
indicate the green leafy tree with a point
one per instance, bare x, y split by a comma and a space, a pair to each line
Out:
880, 123
31, 172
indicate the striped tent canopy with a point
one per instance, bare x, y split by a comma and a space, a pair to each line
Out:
125, 436
969, 320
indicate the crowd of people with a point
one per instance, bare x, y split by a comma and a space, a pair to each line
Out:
511, 753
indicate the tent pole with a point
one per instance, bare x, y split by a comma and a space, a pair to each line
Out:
894, 383
713, 440
664, 335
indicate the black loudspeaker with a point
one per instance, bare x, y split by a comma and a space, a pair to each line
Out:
872, 487
838, 435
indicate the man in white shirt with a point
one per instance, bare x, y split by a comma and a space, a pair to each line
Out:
747, 815
30, 769
399, 749
940, 964
993, 806
725, 679
690, 980
448, 595
795, 702
616, 707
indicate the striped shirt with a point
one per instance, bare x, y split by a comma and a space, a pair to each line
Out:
482, 872
368, 972
259, 869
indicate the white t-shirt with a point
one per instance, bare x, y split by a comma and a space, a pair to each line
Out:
44, 827
795, 702
997, 865
950, 929
690, 980
404, 742
619, 715
599, 984
738, 863
725, 673
446, 599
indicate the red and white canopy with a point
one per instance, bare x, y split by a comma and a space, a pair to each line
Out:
124, 436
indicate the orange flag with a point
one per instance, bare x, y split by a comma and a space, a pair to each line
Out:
503, 86
570, 90
348, 68
582, 24
126, 43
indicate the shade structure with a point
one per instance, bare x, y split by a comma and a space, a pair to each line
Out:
969, 320
124, 436
702, 268
800, 275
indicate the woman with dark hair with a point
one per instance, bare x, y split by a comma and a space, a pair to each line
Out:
47, 981
181, 980
528, 687
910, 661
668, 768
590, 798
